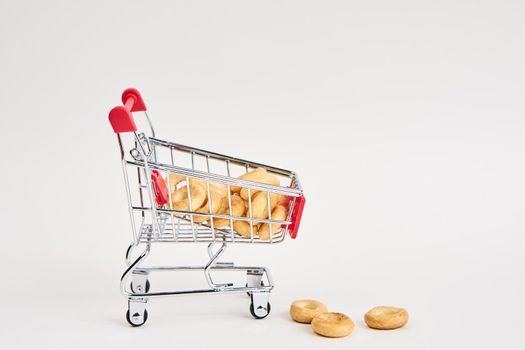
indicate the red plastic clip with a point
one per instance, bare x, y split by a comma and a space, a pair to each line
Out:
160, 188
296, 215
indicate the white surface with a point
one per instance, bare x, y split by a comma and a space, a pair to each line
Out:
404, 120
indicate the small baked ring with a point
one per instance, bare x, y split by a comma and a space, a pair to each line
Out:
220, 188
386, 317
278, 213
238, 209
179, 198
332, 324
173, 180
217, 203
282, 200
303, 311
243, 228
253, 175
265, 178
260, 204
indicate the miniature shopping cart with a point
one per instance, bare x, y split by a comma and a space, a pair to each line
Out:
148, 165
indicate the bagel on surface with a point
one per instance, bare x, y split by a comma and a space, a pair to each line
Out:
332, 324
303, 311
386, 317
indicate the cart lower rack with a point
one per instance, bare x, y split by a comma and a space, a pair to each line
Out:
182, 194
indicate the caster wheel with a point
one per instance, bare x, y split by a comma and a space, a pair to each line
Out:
248, 293
261, 312
137, 323
137, 291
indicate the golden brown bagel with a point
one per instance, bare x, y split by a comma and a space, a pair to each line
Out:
386, 317
303, 311
332, 324
173, 180
217, 203
220, 188
282, 200
179, 198
265, 178
253, 175
278, 213
260, 204
238, 209
243, 228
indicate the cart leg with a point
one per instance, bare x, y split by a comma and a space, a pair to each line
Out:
254, 279
211, 254
132, 268
260, 305
139, 281
129, 251
137, 314
213, 261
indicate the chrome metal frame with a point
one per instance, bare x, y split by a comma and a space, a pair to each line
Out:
153, 224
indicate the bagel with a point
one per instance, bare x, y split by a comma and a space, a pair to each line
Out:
238, 209
179, 195
278, 213
224, 205
179, 198
243, 228
332, 324
217, 203
253, 175
283, 200
220, 188
265, 178
303, 311
386, 317
173, 180
260, 204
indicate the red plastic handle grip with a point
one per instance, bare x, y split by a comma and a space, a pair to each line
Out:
137, 104
296, 216
120, 117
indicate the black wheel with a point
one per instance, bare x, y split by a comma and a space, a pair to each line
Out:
249, 293
147, 287
128, 318
252, 311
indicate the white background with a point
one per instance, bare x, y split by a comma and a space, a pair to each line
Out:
404, 119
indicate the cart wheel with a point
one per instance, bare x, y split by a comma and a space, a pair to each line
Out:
139, 291
261, 312
137, 321
249, 293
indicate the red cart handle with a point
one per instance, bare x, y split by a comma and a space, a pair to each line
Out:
120, 117
297, 213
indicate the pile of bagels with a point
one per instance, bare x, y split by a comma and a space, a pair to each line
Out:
217, 201
336, 325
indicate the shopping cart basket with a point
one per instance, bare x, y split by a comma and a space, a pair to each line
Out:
156, 171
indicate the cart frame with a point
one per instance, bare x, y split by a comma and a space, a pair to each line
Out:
155, 223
